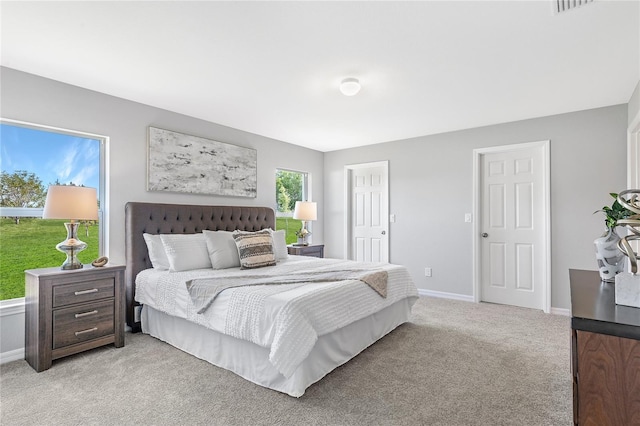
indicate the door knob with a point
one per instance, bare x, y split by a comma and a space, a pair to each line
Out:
384, 232
485, 235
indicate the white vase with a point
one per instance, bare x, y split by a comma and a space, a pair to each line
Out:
610, 259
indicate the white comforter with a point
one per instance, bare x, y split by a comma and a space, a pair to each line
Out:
287, 319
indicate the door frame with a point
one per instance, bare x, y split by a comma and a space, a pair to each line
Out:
546, 228
348, 170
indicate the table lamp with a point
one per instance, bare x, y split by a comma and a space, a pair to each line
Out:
305, 211
71, 203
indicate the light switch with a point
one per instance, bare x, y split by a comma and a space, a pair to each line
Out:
392, 218
467, 217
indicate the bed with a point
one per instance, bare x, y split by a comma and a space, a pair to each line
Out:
284, 337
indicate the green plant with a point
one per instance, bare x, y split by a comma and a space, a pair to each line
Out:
614, 213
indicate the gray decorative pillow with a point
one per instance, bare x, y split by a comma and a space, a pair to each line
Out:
255, 249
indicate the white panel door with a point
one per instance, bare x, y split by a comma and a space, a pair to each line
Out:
369, 214
512, 227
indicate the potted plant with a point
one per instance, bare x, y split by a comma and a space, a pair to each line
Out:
610, 259
614, 213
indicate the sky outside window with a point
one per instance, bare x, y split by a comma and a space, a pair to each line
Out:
50, 156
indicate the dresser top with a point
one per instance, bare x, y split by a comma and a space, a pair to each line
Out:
593, 307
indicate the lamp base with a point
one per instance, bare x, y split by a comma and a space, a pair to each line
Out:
71, 247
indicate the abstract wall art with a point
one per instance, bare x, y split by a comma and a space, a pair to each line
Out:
177, 162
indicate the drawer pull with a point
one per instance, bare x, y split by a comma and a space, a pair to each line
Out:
79, 293
86, 314
86, 331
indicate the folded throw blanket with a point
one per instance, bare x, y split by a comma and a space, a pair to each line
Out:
203, 291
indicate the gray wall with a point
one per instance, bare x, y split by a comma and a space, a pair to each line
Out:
431, 190
30, 98
634, 104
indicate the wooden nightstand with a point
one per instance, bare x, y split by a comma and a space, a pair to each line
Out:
67, 312
310, 250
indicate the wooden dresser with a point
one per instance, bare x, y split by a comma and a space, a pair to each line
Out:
67, 312
605, 354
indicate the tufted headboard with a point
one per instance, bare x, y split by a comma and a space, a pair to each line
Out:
152, 218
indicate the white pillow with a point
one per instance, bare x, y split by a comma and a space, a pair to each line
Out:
157, 255
222, 250
186, 251
280, 244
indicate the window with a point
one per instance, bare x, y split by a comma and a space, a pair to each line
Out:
32, 158
291, 186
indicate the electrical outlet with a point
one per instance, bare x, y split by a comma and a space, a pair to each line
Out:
427, 272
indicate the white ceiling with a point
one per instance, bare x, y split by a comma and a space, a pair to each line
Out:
273, 68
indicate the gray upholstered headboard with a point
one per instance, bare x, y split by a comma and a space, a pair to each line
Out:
152, 218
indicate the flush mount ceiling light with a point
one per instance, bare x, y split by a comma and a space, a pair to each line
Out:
350, 86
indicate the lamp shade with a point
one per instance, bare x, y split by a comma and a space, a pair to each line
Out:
71, 202
305, 210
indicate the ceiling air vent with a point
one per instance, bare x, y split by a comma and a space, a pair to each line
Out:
564, 5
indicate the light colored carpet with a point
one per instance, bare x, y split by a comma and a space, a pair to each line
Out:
457, 363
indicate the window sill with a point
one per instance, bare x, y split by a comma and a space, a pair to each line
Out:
12, 306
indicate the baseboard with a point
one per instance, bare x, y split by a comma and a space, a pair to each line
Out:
12, 329
444, 295
456, 296
561, 311
9, 356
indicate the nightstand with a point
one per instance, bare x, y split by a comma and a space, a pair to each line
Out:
310, 250
67, 312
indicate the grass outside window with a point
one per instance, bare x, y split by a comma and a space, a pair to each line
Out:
32, 245
290, 226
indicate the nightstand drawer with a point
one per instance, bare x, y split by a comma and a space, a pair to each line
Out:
84, 291
81, 323
316, 250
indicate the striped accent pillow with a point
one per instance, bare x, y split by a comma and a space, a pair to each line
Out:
255, 249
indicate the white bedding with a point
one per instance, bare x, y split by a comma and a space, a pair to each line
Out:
290, 318
251, 362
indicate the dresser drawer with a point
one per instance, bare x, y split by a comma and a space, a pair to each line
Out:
81, 323
83, 291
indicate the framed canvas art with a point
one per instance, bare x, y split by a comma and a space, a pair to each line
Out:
177, 162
